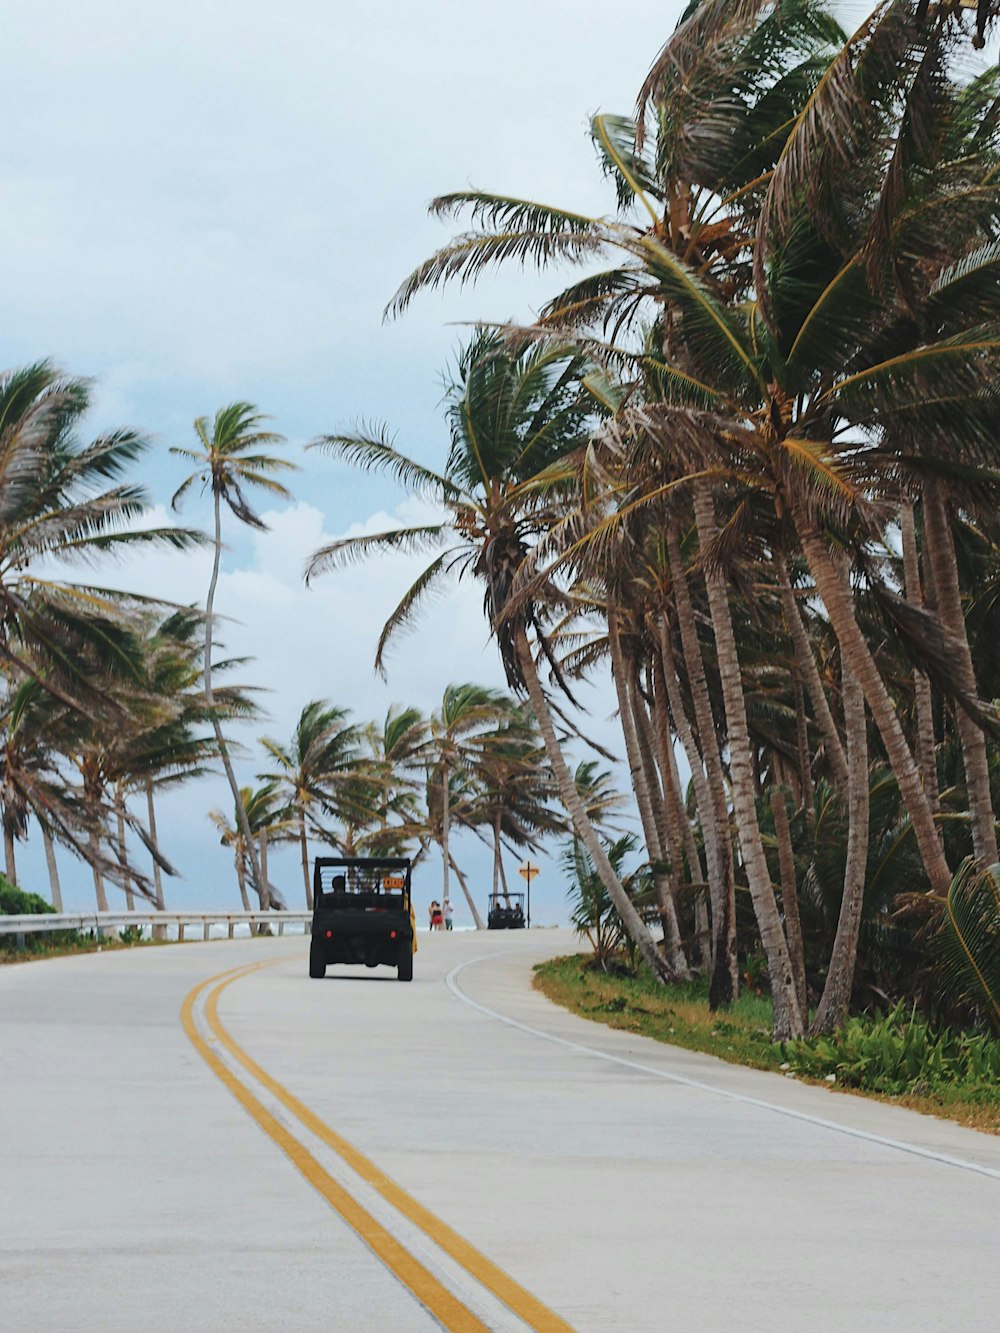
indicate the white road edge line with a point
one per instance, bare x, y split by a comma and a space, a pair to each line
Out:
451, 981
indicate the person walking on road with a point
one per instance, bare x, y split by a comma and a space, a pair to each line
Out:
449, 915
437, 917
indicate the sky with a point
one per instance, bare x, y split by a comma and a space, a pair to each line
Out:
214, 201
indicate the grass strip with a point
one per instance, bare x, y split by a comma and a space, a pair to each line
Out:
680, 1016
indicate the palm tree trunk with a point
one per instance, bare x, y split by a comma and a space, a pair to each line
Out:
790, 894
666, 826
630, 918
157, 877
10, 865
262, 853
497, 857
651, 833
667, 823
810, 676
304, 849
480, 924
445, 832
50, 859
159, 932
807, 792
241, 879
715, 875
710, 789
680, 826
123, 859
659, 741
836, 999
787, 1015
926, 749
220, 740
857, 657
95, 854
503, 881
939, 547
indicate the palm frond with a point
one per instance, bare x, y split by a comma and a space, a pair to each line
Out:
470, 255
409, 604
373, 450
710, 329
351, 550
968, 943
614, 139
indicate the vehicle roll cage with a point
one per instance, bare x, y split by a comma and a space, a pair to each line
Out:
364, 881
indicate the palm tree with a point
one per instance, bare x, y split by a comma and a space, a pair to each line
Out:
599, 796
592, 911
57, 507
229, 462
263, 810
165, 745
514, 419
394, 759
313, 770
514, 789
458, 731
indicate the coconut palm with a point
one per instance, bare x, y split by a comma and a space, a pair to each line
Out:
228, 463
316, 771
32, 782
458, 732
592, 912
263, 809
62, 501
170, 742
601, 799
515, 790
514, 419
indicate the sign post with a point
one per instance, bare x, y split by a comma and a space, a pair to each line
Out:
528, 871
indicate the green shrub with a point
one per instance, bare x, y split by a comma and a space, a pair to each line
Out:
900, 1053
15, 902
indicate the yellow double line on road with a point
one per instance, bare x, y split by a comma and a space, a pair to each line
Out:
445, 1307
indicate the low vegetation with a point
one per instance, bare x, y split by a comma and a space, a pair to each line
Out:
896, 1057
54, 943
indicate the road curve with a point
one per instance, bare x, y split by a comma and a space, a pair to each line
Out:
360, 1155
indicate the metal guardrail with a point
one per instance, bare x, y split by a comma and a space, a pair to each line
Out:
34, 923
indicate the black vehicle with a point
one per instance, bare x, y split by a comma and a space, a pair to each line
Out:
506, 912
362, 914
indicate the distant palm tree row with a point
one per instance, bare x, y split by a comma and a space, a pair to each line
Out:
750, 459
109, 699
402, 787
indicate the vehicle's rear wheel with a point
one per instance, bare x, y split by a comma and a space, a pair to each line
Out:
317, 963
404, 968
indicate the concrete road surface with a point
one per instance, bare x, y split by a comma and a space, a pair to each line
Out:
356, 1154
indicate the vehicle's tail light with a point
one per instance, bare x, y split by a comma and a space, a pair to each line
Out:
329, 934
392, 934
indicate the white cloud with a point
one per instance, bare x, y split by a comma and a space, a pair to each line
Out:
215, 201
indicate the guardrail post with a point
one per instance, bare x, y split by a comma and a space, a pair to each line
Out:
231, 927
205, 935
281, 927
20, 943
180, 932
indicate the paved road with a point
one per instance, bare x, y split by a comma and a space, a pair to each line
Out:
538, 1172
